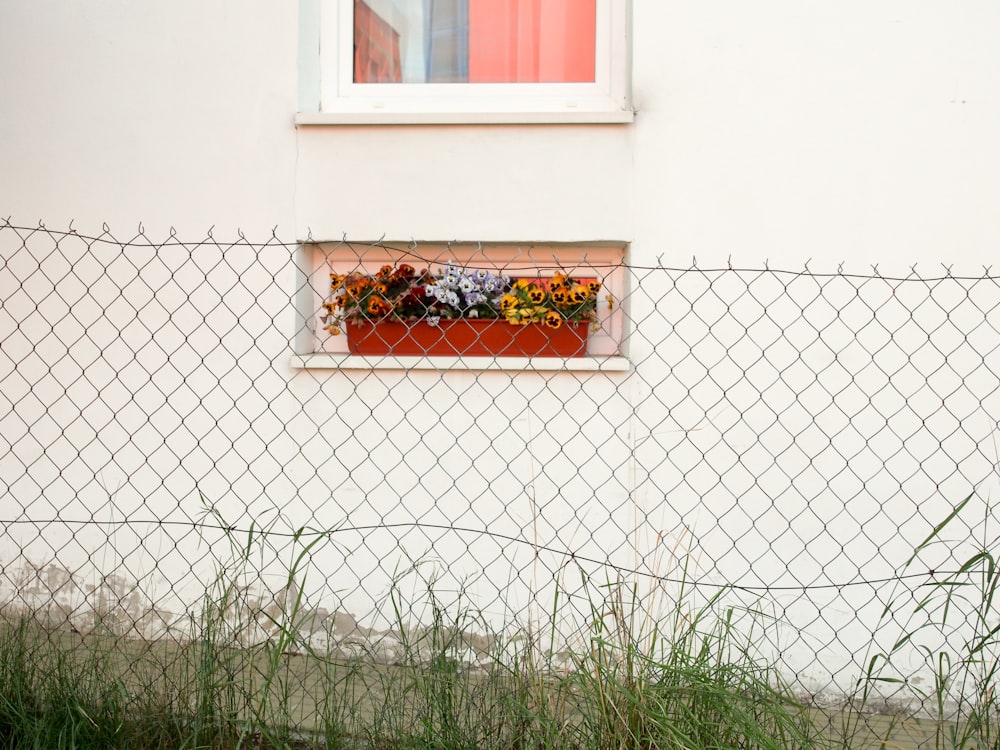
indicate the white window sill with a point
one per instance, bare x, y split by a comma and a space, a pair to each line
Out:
527, 364
383, 117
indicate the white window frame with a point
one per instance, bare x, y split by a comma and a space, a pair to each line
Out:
329, 96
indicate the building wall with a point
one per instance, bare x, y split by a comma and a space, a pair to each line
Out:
839, 131
777, 132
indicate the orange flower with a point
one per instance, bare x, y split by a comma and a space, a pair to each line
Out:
594, 286
536, 295
560, 297
580, 293
553, 319
377, 306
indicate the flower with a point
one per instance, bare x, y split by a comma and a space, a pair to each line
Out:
551, 301
405, 294
393, 293
466, 293
377, 306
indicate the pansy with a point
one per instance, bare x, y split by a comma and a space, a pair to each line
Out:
403, 294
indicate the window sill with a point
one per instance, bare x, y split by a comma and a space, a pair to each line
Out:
527, 364
382, 117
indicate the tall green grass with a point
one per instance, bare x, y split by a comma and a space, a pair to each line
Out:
693, 680
608, 665
953, 626
452, 683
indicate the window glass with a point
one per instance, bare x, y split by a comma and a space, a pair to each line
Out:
474, 41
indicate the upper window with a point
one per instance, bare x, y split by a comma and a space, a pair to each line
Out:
465, 61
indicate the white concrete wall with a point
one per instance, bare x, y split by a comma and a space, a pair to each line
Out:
782, 132
778, 130
176, 114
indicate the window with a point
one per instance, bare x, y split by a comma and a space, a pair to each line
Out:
317, 348
464, 61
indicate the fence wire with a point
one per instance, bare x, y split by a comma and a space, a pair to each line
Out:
175, 415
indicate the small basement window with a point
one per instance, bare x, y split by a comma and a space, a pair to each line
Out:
468, 306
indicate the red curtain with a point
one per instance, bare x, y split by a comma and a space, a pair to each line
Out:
531, 41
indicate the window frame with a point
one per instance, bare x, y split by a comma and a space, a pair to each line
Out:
329, 96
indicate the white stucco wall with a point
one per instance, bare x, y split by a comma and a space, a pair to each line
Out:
777, 132
835, 131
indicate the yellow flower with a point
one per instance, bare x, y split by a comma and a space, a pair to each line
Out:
521, 284
553, 319
580, 293
509, 302
594, 286
518, 317
536, 295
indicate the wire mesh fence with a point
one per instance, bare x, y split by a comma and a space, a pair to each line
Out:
180, 418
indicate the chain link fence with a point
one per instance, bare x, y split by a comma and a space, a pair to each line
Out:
173, 414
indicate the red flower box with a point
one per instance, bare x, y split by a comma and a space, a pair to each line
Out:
466, 337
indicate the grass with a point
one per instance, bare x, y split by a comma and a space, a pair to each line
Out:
641, 669
952, 627
689, 685
207, 693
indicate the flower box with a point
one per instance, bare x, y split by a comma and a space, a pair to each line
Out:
461, 312
466, 337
